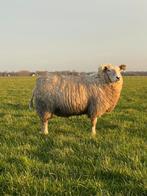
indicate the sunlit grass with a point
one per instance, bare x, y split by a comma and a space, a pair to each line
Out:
68, 161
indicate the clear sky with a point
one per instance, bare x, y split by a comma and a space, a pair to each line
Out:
72, 34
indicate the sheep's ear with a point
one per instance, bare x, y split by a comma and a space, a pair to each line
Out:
122, 67
103, 67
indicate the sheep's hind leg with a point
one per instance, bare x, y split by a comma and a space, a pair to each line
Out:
93, 122
44, 127
44, 123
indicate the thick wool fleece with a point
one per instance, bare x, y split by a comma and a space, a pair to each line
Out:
66, 95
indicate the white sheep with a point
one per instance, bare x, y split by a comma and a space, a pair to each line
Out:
67, 95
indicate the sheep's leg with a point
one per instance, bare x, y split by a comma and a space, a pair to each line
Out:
93, 122
44, 127
44, 122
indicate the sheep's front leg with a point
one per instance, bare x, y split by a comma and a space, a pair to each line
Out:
93, 122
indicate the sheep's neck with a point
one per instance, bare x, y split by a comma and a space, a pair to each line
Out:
111, 94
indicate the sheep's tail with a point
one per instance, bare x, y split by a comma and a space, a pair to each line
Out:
31, 105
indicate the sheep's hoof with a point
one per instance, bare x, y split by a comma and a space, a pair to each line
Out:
43, 133
93, 134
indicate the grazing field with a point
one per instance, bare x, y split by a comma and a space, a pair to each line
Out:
68, 161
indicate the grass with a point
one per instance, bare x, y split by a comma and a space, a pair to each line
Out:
68, 161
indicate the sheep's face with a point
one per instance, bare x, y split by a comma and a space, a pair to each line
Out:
113, 73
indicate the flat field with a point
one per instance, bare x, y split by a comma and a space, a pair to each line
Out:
68, 161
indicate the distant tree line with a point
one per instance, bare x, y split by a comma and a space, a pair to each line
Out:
22, 73
41, 73
37, 73
135, 73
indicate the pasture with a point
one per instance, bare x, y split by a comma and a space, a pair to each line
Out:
68, 161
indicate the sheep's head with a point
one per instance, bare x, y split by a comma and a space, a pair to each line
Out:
112, 73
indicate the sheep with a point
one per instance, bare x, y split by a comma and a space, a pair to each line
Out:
66, 95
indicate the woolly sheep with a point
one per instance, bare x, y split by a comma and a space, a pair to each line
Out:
67, 95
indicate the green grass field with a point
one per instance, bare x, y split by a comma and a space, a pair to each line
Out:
68, 161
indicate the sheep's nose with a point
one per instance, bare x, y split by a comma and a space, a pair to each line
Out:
117, 77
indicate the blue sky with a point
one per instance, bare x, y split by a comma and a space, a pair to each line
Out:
72, 34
